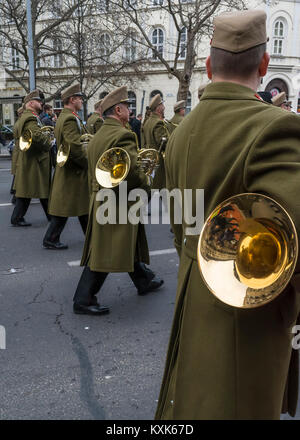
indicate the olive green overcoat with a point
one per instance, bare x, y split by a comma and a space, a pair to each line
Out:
69, 195
224, 362
174, 122
154, 130
16, 150
94, 123
33, 166
114, 247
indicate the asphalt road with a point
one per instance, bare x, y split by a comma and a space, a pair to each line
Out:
58, 365
62, 366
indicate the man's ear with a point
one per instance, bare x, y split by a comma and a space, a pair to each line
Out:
208, 67
263, 67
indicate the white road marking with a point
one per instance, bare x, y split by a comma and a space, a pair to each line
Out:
10, 204
152, 253
4, 169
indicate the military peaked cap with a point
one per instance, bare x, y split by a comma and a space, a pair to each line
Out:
98, 104
239, 31
279, 99
34, 95
71, 91
115, 97
156, 100
178, 105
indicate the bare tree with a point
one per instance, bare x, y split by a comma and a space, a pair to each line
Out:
190, 21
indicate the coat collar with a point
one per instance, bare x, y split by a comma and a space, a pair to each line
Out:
112, 121
228, 90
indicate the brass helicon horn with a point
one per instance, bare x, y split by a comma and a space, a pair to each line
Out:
247, 250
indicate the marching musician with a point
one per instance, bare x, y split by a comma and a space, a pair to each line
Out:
179, 110
33, 169
95, 121
156, 133
69, 196
113, 247
226, 362
15, 152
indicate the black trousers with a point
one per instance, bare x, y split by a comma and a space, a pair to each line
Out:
21, 208
91, 282
57, 225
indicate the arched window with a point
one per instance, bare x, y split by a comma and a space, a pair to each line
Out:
102, 95
104, 45
15, 58
130, 46
188, 106
182, 43
57, 49
279, 33
132, 101
155, 92
157, 42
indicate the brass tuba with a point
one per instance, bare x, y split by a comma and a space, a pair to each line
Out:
247, 250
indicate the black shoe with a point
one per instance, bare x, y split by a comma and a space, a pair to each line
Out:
20, 223
90, 310
57, 246
154, 284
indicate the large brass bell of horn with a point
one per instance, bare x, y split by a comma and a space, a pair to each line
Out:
62, 155
49, 131
247, 250
112, 167
25, 140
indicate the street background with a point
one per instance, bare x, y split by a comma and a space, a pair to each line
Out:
58, 365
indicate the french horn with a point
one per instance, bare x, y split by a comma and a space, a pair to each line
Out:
112, 167
63, 151
25, 141
247, 250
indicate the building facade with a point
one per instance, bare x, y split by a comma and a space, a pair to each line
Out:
283, 24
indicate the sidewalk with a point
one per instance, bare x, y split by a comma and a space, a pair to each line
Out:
4, 152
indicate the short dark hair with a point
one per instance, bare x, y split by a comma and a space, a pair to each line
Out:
47, 107
110, 111
242, 64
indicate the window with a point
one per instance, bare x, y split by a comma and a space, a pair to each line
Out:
38, 58
157, 42
57, 103
188, 106
132, 3
15, 58
155, 92
279, 31
182, 43
102, 5
130, 47
57, 49
158, 2
102, 95
104, 45
132, 101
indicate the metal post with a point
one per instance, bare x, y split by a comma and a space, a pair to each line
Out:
142, 103
30, 47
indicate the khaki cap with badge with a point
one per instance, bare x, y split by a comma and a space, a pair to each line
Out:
115, 97
178, 105
279, 99
71, 91
98, 104
239, 31
155, 101
34, 95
